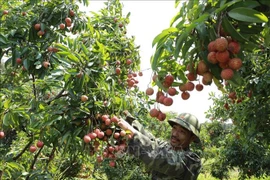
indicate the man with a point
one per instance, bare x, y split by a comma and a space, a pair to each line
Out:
167, 160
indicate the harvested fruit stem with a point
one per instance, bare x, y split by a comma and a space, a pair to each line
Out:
219, 24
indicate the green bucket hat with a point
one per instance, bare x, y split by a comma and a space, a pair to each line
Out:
188, 121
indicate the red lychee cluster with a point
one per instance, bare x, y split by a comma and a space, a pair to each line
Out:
131, 80
33, 147
123, 70
102, 133
232, 99
223, 51
165, 95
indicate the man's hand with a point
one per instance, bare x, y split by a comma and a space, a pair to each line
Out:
126, 126
129, 117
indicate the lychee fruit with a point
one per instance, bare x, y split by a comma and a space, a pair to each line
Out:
190, 86
235, 63
223, 65
192, 76
221, 44
172, 91
227, 74
161, 116
149, 91
202, 67
2, 134
206, 83
182, 87
185, 95
234, 47
160, 99
168, 101
169, 79
207, 77
212, 46
232, 95
226, 106
212, 57
223, 56
153, 112
166, 84
199, 87
159, 93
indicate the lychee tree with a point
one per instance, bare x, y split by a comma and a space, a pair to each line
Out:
66, 78
226, 44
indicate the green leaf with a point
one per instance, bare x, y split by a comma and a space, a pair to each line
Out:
186, 47
196, 22
154, 59
3, 39
85, 50
226, 6
7, 103
236, 80
159, 84
25, 50
248, 3
250, 28
7, 119
247, 15
73, 58
65, 136
61, 47
165, 33
63, 53
229, 28
176, 17
15, 54
14, 165
38, 56
26, 64
179, 42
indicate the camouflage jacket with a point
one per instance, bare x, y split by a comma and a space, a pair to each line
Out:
159, 157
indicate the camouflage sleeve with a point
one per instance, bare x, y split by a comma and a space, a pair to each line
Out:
142, 130
157, 157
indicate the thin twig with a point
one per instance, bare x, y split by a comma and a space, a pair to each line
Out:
51, 155
60, 94
35, 158
219, 24
34, 87
21, 153
34, 162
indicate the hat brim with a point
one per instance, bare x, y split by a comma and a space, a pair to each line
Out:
186, 126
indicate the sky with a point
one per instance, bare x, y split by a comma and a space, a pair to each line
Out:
147, 20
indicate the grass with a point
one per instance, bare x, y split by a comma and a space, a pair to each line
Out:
233, 176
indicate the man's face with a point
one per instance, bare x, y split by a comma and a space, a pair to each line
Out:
180, 137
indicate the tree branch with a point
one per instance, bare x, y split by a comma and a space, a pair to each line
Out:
35, 158
51, 156
21, 153
34, 162
60, 94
